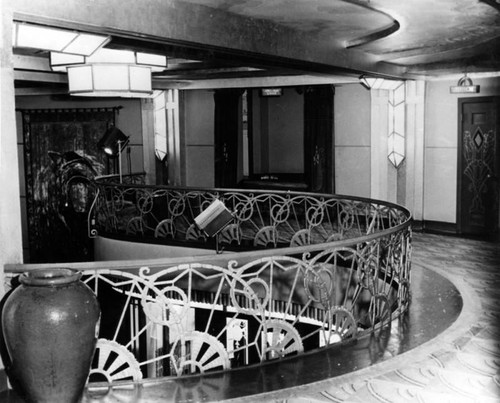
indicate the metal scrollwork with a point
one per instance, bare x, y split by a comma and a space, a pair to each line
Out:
318, 284
347, 274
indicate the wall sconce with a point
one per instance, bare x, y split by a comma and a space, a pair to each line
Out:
54, 39
109, 72
396, 149
464, 85
372, 83
396, 109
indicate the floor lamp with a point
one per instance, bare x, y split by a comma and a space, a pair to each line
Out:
112, 143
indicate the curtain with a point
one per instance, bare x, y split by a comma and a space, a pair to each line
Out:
61, 158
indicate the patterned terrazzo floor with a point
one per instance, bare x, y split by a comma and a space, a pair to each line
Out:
460, 365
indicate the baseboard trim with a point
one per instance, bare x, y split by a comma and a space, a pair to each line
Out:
435, 227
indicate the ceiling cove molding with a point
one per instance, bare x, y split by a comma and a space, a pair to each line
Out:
373, 36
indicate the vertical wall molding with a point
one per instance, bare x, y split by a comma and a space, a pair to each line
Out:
148, 135
415, 101
379, 180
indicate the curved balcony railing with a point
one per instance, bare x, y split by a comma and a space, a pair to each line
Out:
262, 219
301, 272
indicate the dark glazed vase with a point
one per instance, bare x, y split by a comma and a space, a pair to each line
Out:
50, 324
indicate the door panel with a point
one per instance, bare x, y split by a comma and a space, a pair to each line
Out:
318, 138
478, 165
227, 126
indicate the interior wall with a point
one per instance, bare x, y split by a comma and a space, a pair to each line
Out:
197, 136
10, 210
441, 145
107, 249
352, 118
128, 120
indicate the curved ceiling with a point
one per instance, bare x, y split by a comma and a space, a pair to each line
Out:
426, 37
261, 42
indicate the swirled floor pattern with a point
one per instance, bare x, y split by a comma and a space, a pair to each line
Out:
462, 364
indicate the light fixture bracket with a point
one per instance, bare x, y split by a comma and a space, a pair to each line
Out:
464, 86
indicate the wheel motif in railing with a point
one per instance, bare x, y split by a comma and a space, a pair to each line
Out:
135, 226
193, 233
165, 228
281, 339
230, 234
114, 362
301, 238
339, 325
266, 236
198, 352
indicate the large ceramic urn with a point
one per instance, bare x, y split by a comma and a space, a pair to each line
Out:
50, 324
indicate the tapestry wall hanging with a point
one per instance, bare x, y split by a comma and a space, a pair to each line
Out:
61, 159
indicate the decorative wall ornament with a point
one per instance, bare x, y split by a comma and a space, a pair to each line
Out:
479, 153
397, 119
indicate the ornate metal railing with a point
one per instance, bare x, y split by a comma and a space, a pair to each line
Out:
324, 270
262, 219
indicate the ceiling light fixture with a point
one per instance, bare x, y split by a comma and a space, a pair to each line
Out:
109, 72
376, 83
110, 80
61, 61
464, 85
55, 39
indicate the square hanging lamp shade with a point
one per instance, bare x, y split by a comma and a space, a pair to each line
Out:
34, 36
113, 142
110, 80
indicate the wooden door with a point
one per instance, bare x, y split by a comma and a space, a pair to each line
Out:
318, 138
226, 133
478, 165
